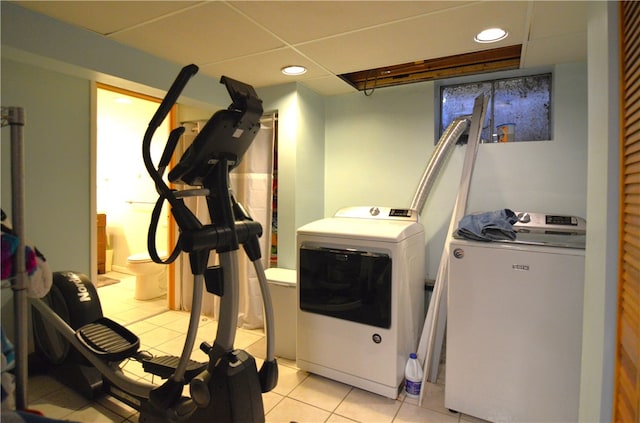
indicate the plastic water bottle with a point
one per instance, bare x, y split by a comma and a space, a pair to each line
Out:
413, 376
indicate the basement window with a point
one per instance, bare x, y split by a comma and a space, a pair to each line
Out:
519, 108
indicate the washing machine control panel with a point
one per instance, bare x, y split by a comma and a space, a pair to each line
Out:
550, 223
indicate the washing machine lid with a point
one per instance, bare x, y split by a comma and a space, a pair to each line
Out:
550, 240
550, 230
386, 230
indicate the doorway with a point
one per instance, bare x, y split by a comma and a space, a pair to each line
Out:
125, 197
254, 185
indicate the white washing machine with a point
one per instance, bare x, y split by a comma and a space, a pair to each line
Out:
360, 296
514, 323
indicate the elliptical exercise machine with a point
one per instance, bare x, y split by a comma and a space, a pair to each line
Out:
87, 349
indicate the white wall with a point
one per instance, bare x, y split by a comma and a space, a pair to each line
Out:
300, 162
310, 163
377, 148
601, 272
57, 182
284, 100
56, 166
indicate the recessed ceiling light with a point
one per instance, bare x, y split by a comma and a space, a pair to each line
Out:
491, 35
294, 70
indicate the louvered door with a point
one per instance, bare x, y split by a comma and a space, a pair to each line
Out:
627, 381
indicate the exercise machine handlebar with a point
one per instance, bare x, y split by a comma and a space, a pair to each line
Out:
172, 95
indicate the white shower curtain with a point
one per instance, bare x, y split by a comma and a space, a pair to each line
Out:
252, 184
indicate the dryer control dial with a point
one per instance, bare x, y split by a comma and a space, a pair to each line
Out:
524, 217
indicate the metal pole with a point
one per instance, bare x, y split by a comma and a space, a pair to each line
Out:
15, 118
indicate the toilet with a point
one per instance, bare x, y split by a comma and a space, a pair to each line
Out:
282, 286
151, 277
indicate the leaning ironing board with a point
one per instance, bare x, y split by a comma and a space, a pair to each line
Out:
432, 338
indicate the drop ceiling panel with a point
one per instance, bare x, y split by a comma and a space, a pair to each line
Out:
210, 32
552, 50
263, 69
105, 17
425, 37
558, 18
329, 86
301, 21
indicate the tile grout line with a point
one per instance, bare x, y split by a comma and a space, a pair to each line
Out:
142, 319
339, 404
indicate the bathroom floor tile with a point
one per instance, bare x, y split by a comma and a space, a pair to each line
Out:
116, 406
244, 338
368, 407
169, 318
59, 404
289, 410
259, 349
336, 418
158, 336
94, 413
321, 392
140, 327
288, 379
270, 400
41, 386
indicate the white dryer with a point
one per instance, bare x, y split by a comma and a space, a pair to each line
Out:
514, 323
360, 296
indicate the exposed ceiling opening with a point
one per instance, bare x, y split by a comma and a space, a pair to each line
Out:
502, 58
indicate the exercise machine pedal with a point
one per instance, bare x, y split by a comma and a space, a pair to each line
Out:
165, 366
108, 339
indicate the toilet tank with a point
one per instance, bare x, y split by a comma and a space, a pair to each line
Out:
282, 286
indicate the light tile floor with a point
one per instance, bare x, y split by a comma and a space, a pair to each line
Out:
298, 397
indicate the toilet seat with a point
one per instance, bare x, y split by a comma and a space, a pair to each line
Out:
144, 257
280, 276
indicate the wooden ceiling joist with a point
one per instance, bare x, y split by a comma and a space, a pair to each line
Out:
503, 58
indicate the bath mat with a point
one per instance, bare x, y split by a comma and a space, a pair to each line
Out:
104, 281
